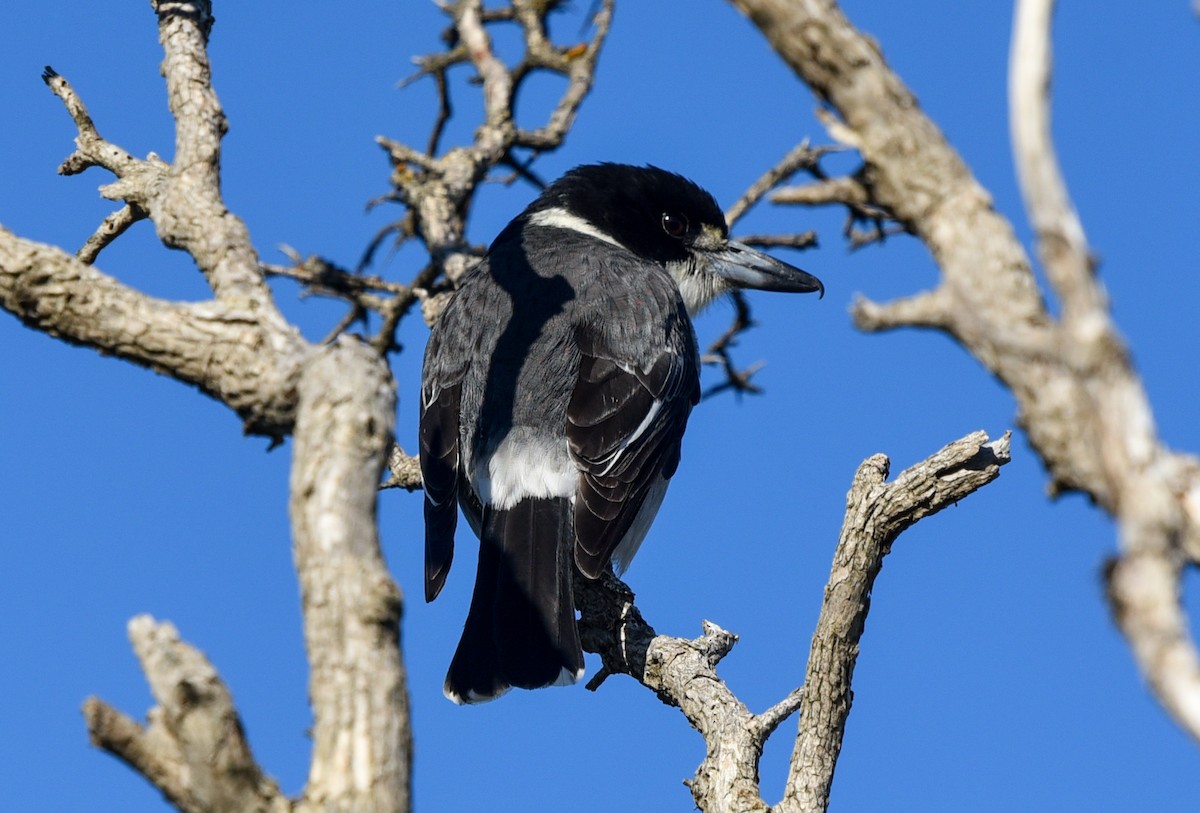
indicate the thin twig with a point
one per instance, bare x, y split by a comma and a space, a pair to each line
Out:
112, 227
718, 352
800, 241
91, 149
802, 156
404, 470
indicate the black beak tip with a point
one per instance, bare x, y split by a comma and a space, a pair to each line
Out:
809, 284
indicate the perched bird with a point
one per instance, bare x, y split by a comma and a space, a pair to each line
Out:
556, 388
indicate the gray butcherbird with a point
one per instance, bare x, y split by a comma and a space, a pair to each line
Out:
556, 389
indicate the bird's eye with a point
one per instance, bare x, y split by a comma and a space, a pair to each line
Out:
674, 224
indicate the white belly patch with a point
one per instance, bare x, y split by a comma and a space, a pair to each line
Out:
524, 465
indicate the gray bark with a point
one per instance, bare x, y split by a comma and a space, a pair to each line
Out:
1080, 399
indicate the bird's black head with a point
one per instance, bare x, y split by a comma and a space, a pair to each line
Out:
654, 213
664, 218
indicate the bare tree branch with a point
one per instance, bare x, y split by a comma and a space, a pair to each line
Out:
1145, 583
850, 191
800, 241
91, 149
876, 514
927, 309
194, 750
337, 399
800, 157
190, 213
1061, 243
847, 190
1081, 402
718, 352
576, 62
184, 202
683, 672
362, 744
404, 470
437, 190
214, 347
110, 229
148, 751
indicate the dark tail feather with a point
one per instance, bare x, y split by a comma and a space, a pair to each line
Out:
535, 605
520, 630
440, 521
474, 674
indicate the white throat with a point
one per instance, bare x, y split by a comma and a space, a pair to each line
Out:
697, 287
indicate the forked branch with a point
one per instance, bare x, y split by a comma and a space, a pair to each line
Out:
337, 401
1081, 401
683, 673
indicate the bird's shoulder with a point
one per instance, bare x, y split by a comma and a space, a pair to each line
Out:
620, 307
635, 319
456, 335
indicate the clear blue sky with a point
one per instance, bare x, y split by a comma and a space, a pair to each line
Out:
991, 676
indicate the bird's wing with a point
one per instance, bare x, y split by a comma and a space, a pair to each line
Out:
624, 426
441, 395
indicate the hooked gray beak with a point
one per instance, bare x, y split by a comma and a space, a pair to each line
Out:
746, 267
